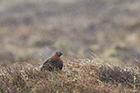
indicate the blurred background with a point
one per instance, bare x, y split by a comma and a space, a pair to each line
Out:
33, 29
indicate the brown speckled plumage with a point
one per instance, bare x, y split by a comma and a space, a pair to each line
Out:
54, 63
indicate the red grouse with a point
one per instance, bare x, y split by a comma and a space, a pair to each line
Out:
54, 63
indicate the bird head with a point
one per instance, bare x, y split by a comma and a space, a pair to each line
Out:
58, 53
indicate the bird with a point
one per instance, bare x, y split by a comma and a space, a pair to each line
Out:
54, 63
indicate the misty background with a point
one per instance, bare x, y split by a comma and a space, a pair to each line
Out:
34, 29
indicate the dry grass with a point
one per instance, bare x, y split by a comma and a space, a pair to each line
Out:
33, 29
78, 76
